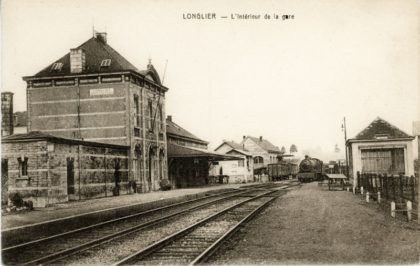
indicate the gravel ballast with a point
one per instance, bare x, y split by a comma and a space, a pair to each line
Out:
312, 225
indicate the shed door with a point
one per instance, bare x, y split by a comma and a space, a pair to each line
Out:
383, 161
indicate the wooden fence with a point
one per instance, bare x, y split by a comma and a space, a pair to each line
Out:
392, 188
401, 192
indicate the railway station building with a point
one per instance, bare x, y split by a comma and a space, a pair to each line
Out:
381, 148
93, 94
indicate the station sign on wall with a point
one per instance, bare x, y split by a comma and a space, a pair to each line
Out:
102, 91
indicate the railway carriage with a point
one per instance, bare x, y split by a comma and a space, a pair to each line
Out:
282, 170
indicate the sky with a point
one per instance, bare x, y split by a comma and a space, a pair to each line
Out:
290, 81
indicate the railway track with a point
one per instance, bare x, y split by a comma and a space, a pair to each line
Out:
54, 248
196, 243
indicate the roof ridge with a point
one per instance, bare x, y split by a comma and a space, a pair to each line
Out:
392, 131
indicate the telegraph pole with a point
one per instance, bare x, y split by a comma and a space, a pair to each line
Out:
343, 126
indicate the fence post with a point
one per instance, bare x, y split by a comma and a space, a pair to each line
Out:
379, 197
413, 190
381, 183
392, 209
409, 209
354, 190
361, 190
401, 188
367, 196
393, 188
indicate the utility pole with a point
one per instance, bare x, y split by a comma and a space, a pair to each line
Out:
343, 127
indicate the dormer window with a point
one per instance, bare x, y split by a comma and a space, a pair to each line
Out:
106, 63
56, 67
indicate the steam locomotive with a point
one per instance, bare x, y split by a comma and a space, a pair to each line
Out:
282, 170
310, 169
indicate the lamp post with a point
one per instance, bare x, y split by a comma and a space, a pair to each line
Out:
343, 127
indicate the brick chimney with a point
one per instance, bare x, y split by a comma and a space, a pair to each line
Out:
6, 113
260, 138
169, 118
101, 36
77, 60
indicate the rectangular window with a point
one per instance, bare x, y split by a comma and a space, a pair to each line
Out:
106, 63
150, 109
56, 67
241, 163
23, 166
136, 111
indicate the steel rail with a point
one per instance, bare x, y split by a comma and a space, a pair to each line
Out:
205, 255
165, 241
78, 230
61, 254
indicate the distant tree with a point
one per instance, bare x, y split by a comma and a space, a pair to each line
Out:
336, 149
283, 149
293, 148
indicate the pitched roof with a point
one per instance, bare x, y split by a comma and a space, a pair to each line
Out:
239, 151
95, 50
37, 135
233, 145
265, 144
381, 129
175, 130
177, 151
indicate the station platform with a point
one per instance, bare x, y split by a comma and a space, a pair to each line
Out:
73, 209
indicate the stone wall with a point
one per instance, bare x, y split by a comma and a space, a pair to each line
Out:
95, 171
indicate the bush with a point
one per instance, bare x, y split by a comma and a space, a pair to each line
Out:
165, 184
16, 199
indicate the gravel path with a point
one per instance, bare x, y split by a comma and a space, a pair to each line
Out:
312, 225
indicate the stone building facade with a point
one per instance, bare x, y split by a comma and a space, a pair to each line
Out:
47, 169
94, 94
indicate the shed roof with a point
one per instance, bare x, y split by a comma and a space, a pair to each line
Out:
37, 135
174, 130
177, 151
379, 129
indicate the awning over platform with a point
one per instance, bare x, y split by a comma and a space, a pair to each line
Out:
177, 151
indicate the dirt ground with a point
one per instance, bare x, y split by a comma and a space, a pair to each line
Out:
311, 225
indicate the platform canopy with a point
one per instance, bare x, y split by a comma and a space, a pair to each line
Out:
177, 151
